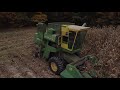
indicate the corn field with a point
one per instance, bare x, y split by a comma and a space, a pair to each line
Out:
105, 44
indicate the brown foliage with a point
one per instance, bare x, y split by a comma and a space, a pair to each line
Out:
39, 17
8, 16
21, 18
105, 44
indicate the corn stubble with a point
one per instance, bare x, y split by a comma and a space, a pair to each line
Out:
105, 45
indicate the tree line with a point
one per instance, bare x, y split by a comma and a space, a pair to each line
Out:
19, 19
97, 19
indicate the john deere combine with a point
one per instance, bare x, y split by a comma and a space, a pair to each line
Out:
60, 44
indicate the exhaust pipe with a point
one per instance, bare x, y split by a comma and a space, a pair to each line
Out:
84, 25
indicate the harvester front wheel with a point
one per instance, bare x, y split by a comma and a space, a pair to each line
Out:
57, 65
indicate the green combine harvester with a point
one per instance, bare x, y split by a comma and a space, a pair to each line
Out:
60, 44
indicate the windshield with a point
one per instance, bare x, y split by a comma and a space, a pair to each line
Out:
79, 39
76, 43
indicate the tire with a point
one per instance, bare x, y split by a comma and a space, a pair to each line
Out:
60, 65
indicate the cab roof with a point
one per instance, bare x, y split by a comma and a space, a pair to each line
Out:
76, 27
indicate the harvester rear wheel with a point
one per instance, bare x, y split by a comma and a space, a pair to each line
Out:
57, 65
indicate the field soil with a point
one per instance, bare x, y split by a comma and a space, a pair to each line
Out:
16, 57
17, 61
